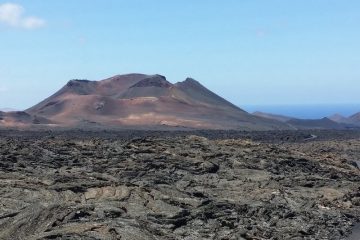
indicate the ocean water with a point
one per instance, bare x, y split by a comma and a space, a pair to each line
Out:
306, 111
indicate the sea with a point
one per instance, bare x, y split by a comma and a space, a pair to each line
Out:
313, 111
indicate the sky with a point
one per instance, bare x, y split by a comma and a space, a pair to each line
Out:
251, 52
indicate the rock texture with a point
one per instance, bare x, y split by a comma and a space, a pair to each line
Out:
176, 187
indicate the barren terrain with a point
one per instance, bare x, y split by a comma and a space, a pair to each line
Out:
176, 185
137, 101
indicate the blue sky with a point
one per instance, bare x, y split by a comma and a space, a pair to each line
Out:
252, 52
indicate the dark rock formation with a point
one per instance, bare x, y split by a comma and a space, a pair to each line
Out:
188, 187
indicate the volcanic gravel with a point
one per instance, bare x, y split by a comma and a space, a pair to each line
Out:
159, 186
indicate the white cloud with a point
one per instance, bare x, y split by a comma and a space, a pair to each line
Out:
33, 22
13, 15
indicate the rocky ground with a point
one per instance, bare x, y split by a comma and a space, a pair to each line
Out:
182, 186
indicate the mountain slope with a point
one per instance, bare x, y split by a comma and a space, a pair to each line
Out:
334, 122
145, 100
355, 118
277, 117
18, 118
339, 118
324, 123
8, 110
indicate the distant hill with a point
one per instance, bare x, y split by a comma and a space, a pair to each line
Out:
7, 110
324, 123
339, 118
20, 118
141, 101
354, 119
277, 117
